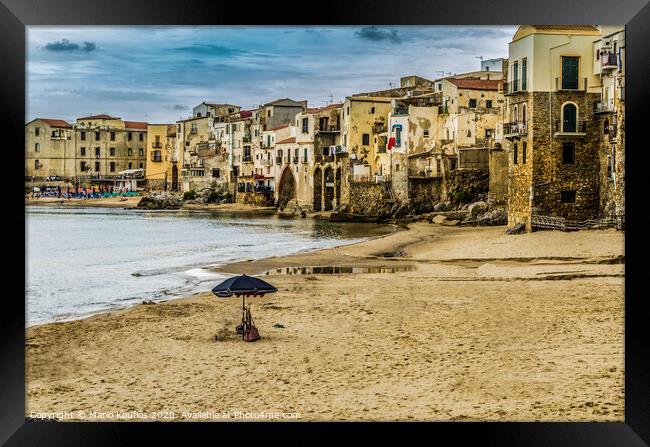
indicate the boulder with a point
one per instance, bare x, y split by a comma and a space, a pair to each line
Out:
438, 219
517, 229
439, 207
477, 208
160, 201
450, 223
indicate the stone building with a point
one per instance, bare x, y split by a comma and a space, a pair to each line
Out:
552, 137
204, 159
163, 164
50, 149
609, 115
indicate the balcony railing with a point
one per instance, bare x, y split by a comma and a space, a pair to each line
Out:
578, 85
443, 110
514, 129
247, 159
512, 87
327, 129
580, 129
603, 107
305, 160
608, 61
194, 130
156, 145
324, 158
278, 160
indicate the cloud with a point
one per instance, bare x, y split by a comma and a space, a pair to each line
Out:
176, 108
375, 34
66, 45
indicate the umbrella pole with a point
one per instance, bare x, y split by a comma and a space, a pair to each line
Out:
243, 313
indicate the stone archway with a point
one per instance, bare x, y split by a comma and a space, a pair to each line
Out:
286, 187
318, 189
329, 189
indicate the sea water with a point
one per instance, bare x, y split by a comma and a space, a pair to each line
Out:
81, 261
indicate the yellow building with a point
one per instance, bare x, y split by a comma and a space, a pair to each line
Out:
162, 166
49, 149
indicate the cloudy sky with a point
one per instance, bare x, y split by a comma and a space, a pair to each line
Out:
158, 73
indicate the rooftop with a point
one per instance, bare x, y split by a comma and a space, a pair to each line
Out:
321, 109
282, 126
287, 140
99, 117
527, 30
475, 84
56, 123
135, 125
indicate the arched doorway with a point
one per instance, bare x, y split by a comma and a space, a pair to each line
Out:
318, 189
174, 178
286, 187
329, 189
337, 186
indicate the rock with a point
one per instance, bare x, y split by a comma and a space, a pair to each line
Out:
438, 219
517, 229
477, 208
439, 207
278, 325
450, 223
159, 201
303, 213
394, 254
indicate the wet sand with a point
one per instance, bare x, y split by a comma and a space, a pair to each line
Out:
485, 326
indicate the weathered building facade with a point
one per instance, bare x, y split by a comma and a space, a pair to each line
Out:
553, 140
163, 165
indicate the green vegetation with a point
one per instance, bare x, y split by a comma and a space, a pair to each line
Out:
462, 197
189, 195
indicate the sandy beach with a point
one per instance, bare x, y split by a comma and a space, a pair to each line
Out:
474, 325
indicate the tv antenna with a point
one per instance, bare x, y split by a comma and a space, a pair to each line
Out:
479, 57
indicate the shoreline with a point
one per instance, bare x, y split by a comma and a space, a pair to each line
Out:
487, 326
227, 268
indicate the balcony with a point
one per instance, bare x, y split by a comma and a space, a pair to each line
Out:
603, 107
305, 160
324, 158
580, 130
608, 61
515, 129
194, 131
576, 85
278, 160
266, 162
327, 129
295, 160
443, 110
514, 87
156, 145
247, 159
379, 127
246, 139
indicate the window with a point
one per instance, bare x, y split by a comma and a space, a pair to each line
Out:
141, 136
570, 72
365, 139
514, 153
568, 153
140, 165
97, 152
348, 110
130, 165
96, 166
268, 112
524, 74
83, 136
489, 133
37, 147
515, 114
112, 151
488, 104
305, 125
610, 167
515, 76
569, 117
82, 151
304, 155
372, 109
606, 127
425, 133
112, 166
129, 152
523, 152
216, 172
82, 166
130, 134
112, 136
37, 164
568, 196
141, 151
472, 103
37, 131
96, 136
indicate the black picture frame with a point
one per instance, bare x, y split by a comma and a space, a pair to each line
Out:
15, 15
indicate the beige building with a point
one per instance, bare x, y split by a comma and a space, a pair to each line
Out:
49, 149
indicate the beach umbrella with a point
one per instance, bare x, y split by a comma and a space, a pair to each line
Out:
243, 285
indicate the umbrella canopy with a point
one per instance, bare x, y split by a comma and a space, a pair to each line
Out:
243, 285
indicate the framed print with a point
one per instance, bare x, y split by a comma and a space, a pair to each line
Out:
377, 213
